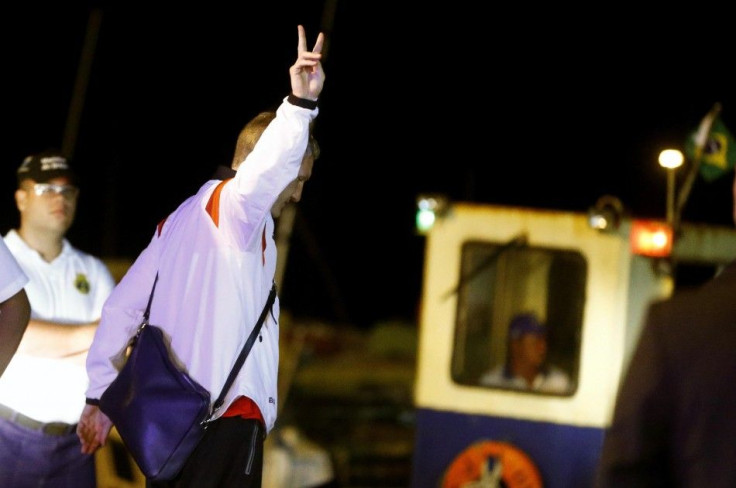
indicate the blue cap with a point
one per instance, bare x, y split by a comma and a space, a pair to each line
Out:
526, 323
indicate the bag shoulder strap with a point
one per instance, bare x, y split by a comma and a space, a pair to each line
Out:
150, 299
144, 322
246, 349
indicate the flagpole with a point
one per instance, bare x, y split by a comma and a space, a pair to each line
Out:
703, 133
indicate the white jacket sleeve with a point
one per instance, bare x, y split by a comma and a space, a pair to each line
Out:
121, 316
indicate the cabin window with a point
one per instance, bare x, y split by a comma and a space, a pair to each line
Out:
519, 317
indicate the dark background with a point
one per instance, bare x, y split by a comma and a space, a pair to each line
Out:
533, 106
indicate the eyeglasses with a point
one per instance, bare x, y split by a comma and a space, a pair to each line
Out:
49, 189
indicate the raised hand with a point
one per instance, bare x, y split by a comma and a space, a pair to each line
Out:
307, 75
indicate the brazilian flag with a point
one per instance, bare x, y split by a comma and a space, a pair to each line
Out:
718, 155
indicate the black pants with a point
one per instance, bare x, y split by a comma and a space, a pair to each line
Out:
229, 455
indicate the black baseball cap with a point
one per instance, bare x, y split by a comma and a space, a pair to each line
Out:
45, 166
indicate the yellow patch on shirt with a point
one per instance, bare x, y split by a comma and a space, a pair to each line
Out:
81, 283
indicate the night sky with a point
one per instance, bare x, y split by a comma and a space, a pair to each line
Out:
522, 108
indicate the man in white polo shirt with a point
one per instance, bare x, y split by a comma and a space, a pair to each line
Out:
42, 390
14, 307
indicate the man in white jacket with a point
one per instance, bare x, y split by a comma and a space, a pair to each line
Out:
215, 258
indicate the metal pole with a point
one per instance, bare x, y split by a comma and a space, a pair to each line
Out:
69, 143
671, 196
283, 239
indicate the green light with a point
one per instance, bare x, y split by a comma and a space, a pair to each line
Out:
430, 207
425, 220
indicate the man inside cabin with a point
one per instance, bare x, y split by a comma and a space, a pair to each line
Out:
526, 366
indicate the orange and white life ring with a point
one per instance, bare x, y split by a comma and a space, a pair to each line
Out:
491, 464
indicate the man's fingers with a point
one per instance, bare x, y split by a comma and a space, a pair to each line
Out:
309, 57
302, 46
320, 42
87, 439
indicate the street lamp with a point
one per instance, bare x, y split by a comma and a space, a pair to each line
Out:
671, 159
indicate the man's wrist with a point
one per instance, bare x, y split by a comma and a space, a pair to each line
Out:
301, 102
92, 401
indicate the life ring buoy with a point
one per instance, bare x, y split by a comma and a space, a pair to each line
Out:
490, 464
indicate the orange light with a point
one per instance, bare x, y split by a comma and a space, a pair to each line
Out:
651, 238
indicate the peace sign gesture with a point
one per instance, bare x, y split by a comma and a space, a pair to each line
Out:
307, 75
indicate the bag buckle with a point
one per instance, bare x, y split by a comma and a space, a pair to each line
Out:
207, 421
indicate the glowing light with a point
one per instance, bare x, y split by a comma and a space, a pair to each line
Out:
651, 238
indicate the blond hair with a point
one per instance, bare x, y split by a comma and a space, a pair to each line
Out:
249, 135
252, 131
